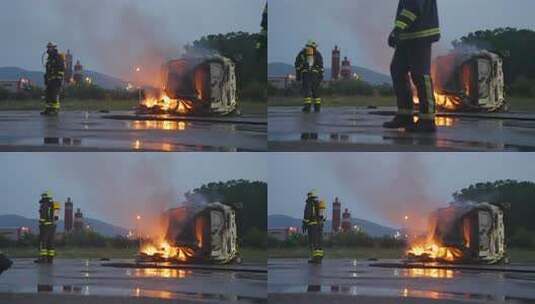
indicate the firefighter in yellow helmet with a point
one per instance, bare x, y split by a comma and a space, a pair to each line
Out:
55, 72
313, 221
309, 69
48, 216
416, 29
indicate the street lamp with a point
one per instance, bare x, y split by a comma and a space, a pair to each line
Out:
138, 218
138, 70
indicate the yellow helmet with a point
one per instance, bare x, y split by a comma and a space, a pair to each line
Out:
312, 193
46, 194
50, 45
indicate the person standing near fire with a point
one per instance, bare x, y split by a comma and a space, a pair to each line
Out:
48, 216
55, 72
313, 219
416, 29
309, 69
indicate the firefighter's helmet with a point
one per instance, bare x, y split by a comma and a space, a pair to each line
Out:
312, 193
312, 43
50, 45
46, 194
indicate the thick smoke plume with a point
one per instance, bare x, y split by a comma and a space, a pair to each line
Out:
121, 189
124, 38
392, 190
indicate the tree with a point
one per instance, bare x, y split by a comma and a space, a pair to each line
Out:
517, 46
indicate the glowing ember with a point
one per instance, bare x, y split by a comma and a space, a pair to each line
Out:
168, 252
164, 103
435, 252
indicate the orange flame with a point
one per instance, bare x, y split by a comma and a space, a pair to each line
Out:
167, 104
166, 251
433, 251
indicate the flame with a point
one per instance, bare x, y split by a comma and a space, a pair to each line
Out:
167, 104
434, 251
166, 251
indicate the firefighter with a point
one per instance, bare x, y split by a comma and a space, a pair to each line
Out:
309, 69
313, 220
5, 263
48, 215
55, 71
416, 29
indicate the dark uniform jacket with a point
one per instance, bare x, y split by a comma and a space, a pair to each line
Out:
46, 212
418, 20
301, 65
55, 67
311, 215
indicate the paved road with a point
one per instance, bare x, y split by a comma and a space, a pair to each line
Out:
350, 281
123, 131
360, 129
84, 281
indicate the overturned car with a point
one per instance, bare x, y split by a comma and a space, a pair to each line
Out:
463, 233
195, 235
194, 85
470, 81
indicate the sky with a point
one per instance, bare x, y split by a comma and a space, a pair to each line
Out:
114, 187
360, 27
383, 187
106, 34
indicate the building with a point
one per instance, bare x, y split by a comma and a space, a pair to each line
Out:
282, 234
79, 221
15, 86
14, 233
282, 82
346, 221
335, 63
69, 216
67, 79
78, 76
337, 206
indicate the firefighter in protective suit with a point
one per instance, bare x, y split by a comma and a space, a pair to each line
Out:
309, 69
416, 29
48, 216
55, 72
5, 263
313, 220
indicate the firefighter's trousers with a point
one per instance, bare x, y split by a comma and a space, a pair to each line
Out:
315, 238
52, 92
412, 59
46, 242
311, 85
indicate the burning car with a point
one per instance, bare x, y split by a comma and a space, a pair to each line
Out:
470, 81
193, 235
194, 85
463, 233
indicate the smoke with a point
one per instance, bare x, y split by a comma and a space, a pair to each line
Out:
371, 23
124, 38
404, 188
122, 189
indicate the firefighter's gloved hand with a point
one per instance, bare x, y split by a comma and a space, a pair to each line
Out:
304, 228
393, 38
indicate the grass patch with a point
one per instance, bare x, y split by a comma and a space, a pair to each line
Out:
337, 101
520, 104
516, 255
69, 105
339, 252
249, 255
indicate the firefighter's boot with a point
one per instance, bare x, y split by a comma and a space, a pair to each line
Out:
422, 126
40, 260
399, 121
50, 111
307, 107
317, 107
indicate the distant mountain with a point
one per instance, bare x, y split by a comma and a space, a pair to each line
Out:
372, 229
37, 77
277, 69
11, 220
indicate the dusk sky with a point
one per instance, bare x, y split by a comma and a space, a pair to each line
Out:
106, 34
113, 187
360, 27
382, 187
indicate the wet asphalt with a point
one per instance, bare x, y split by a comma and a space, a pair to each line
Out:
351, 281
87, 281
124, 131
360, 129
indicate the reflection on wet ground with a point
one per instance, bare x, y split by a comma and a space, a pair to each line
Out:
347, 128
89, 278
82, 131
356, 278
